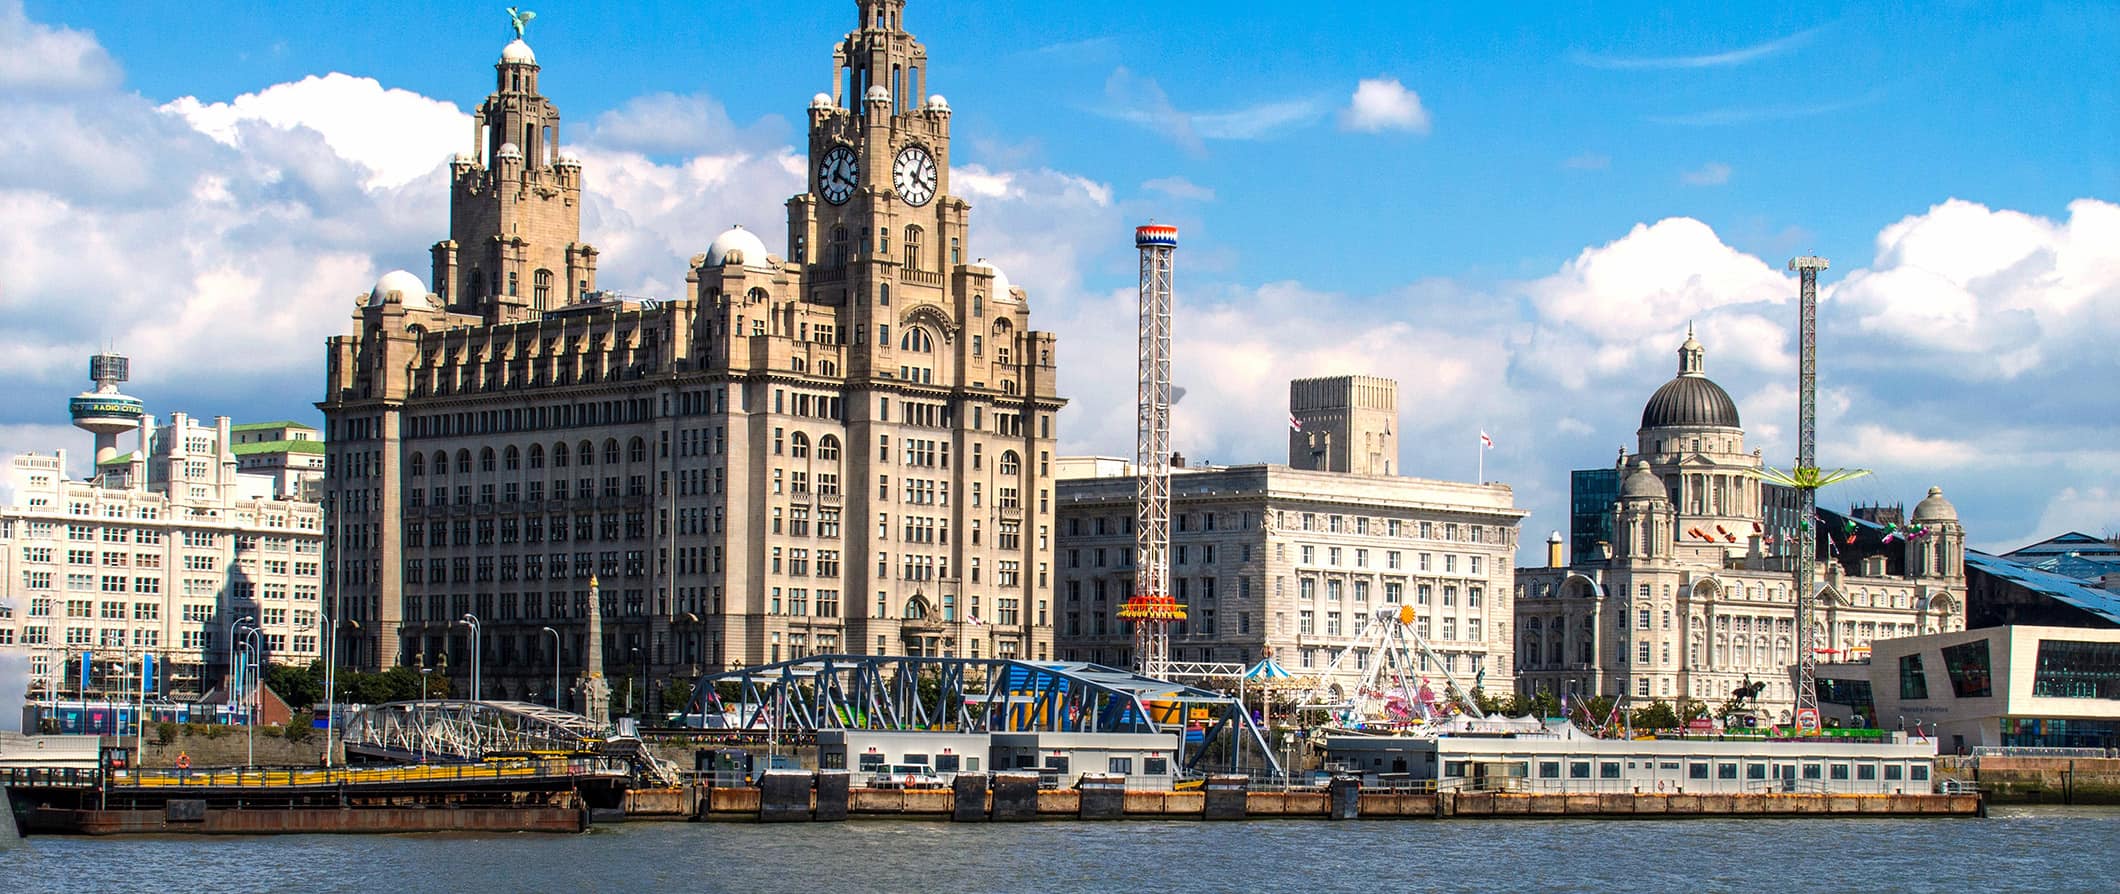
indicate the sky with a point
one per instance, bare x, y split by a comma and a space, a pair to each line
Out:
1515, 211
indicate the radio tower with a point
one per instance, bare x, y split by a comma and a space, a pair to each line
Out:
1151, 608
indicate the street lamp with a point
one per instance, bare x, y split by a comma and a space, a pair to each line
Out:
235, 677
423, 712
555, 666
470, 620
252, 641
629, 689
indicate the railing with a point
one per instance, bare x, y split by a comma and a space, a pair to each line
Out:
2031, 751
357, 776
50, 777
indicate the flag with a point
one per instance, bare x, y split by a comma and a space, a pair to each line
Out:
87, 658
1294, 424
147, 676
1485, 441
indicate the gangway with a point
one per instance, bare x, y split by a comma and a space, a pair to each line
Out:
444, 730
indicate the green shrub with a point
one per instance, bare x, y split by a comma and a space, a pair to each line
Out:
165, 733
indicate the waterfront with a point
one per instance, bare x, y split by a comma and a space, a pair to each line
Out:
2017, 849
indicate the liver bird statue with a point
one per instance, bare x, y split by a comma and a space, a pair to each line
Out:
519, 18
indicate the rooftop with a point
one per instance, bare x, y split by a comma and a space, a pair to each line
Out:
269, 426
315, 447
2068, 590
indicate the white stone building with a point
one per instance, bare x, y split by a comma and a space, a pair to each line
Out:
159, 554
1697, 597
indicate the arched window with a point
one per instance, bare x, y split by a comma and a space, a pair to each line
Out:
440, 463
916, 339
511, 458
537, 456
610, 451
912, 248
828, 449
827, 368
1008, 386
800, 445
585, 453
1010, 464
883, 295
839, 246
541, 288
463, 462
485, 459
419, 465
559, 455
978, 305
636, 451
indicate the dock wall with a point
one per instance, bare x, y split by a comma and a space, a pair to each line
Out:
972, 799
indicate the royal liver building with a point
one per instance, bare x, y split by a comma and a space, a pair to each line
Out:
844, 447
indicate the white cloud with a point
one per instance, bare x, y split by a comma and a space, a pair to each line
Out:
37, 57
1180, 188
1995, 295
397, 135
1130, 97
1713, 173
1381, 104
1724, 59
1654, 278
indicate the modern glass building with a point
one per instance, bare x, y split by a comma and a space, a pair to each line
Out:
2018, 686
1591, 493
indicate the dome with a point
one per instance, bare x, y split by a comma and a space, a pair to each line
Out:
509, 150
879, 93
1691, 400
737, 246
821, 101
569, 161
517, 52
1934, 508
1002, 287
1642, 484
937, 103
410, 290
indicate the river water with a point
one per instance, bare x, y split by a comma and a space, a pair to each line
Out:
2017, 849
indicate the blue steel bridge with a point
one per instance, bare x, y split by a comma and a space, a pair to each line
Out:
986, 695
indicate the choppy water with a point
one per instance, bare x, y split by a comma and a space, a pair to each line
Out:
2018, 849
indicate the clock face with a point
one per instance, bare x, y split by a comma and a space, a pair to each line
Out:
914, 175
837, 174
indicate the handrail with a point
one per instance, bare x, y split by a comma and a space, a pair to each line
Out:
239, 777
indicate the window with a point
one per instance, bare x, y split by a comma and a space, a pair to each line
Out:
1967, 666
1913, 684
2072, 669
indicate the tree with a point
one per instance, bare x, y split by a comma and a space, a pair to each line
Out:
676, 695
299, 686
1656, 715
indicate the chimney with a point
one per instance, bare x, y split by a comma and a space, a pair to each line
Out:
1553, 551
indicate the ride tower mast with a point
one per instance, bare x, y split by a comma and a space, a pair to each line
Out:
1151, 608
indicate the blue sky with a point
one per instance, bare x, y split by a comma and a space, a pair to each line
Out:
1518, 225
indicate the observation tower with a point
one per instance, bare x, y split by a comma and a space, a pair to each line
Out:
104, 412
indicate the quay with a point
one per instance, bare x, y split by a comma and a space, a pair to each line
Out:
795, 796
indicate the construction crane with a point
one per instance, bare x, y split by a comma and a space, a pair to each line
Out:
1151, 607
1807, 478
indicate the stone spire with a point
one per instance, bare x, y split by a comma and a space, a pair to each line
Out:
590, 689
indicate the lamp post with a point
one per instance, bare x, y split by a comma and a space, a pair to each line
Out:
423, 712
234, 672
253, 642
331, 626
470, 620
629, 688
555, 667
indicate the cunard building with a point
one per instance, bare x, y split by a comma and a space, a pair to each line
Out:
845, 446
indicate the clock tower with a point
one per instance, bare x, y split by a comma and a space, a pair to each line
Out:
878, 230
